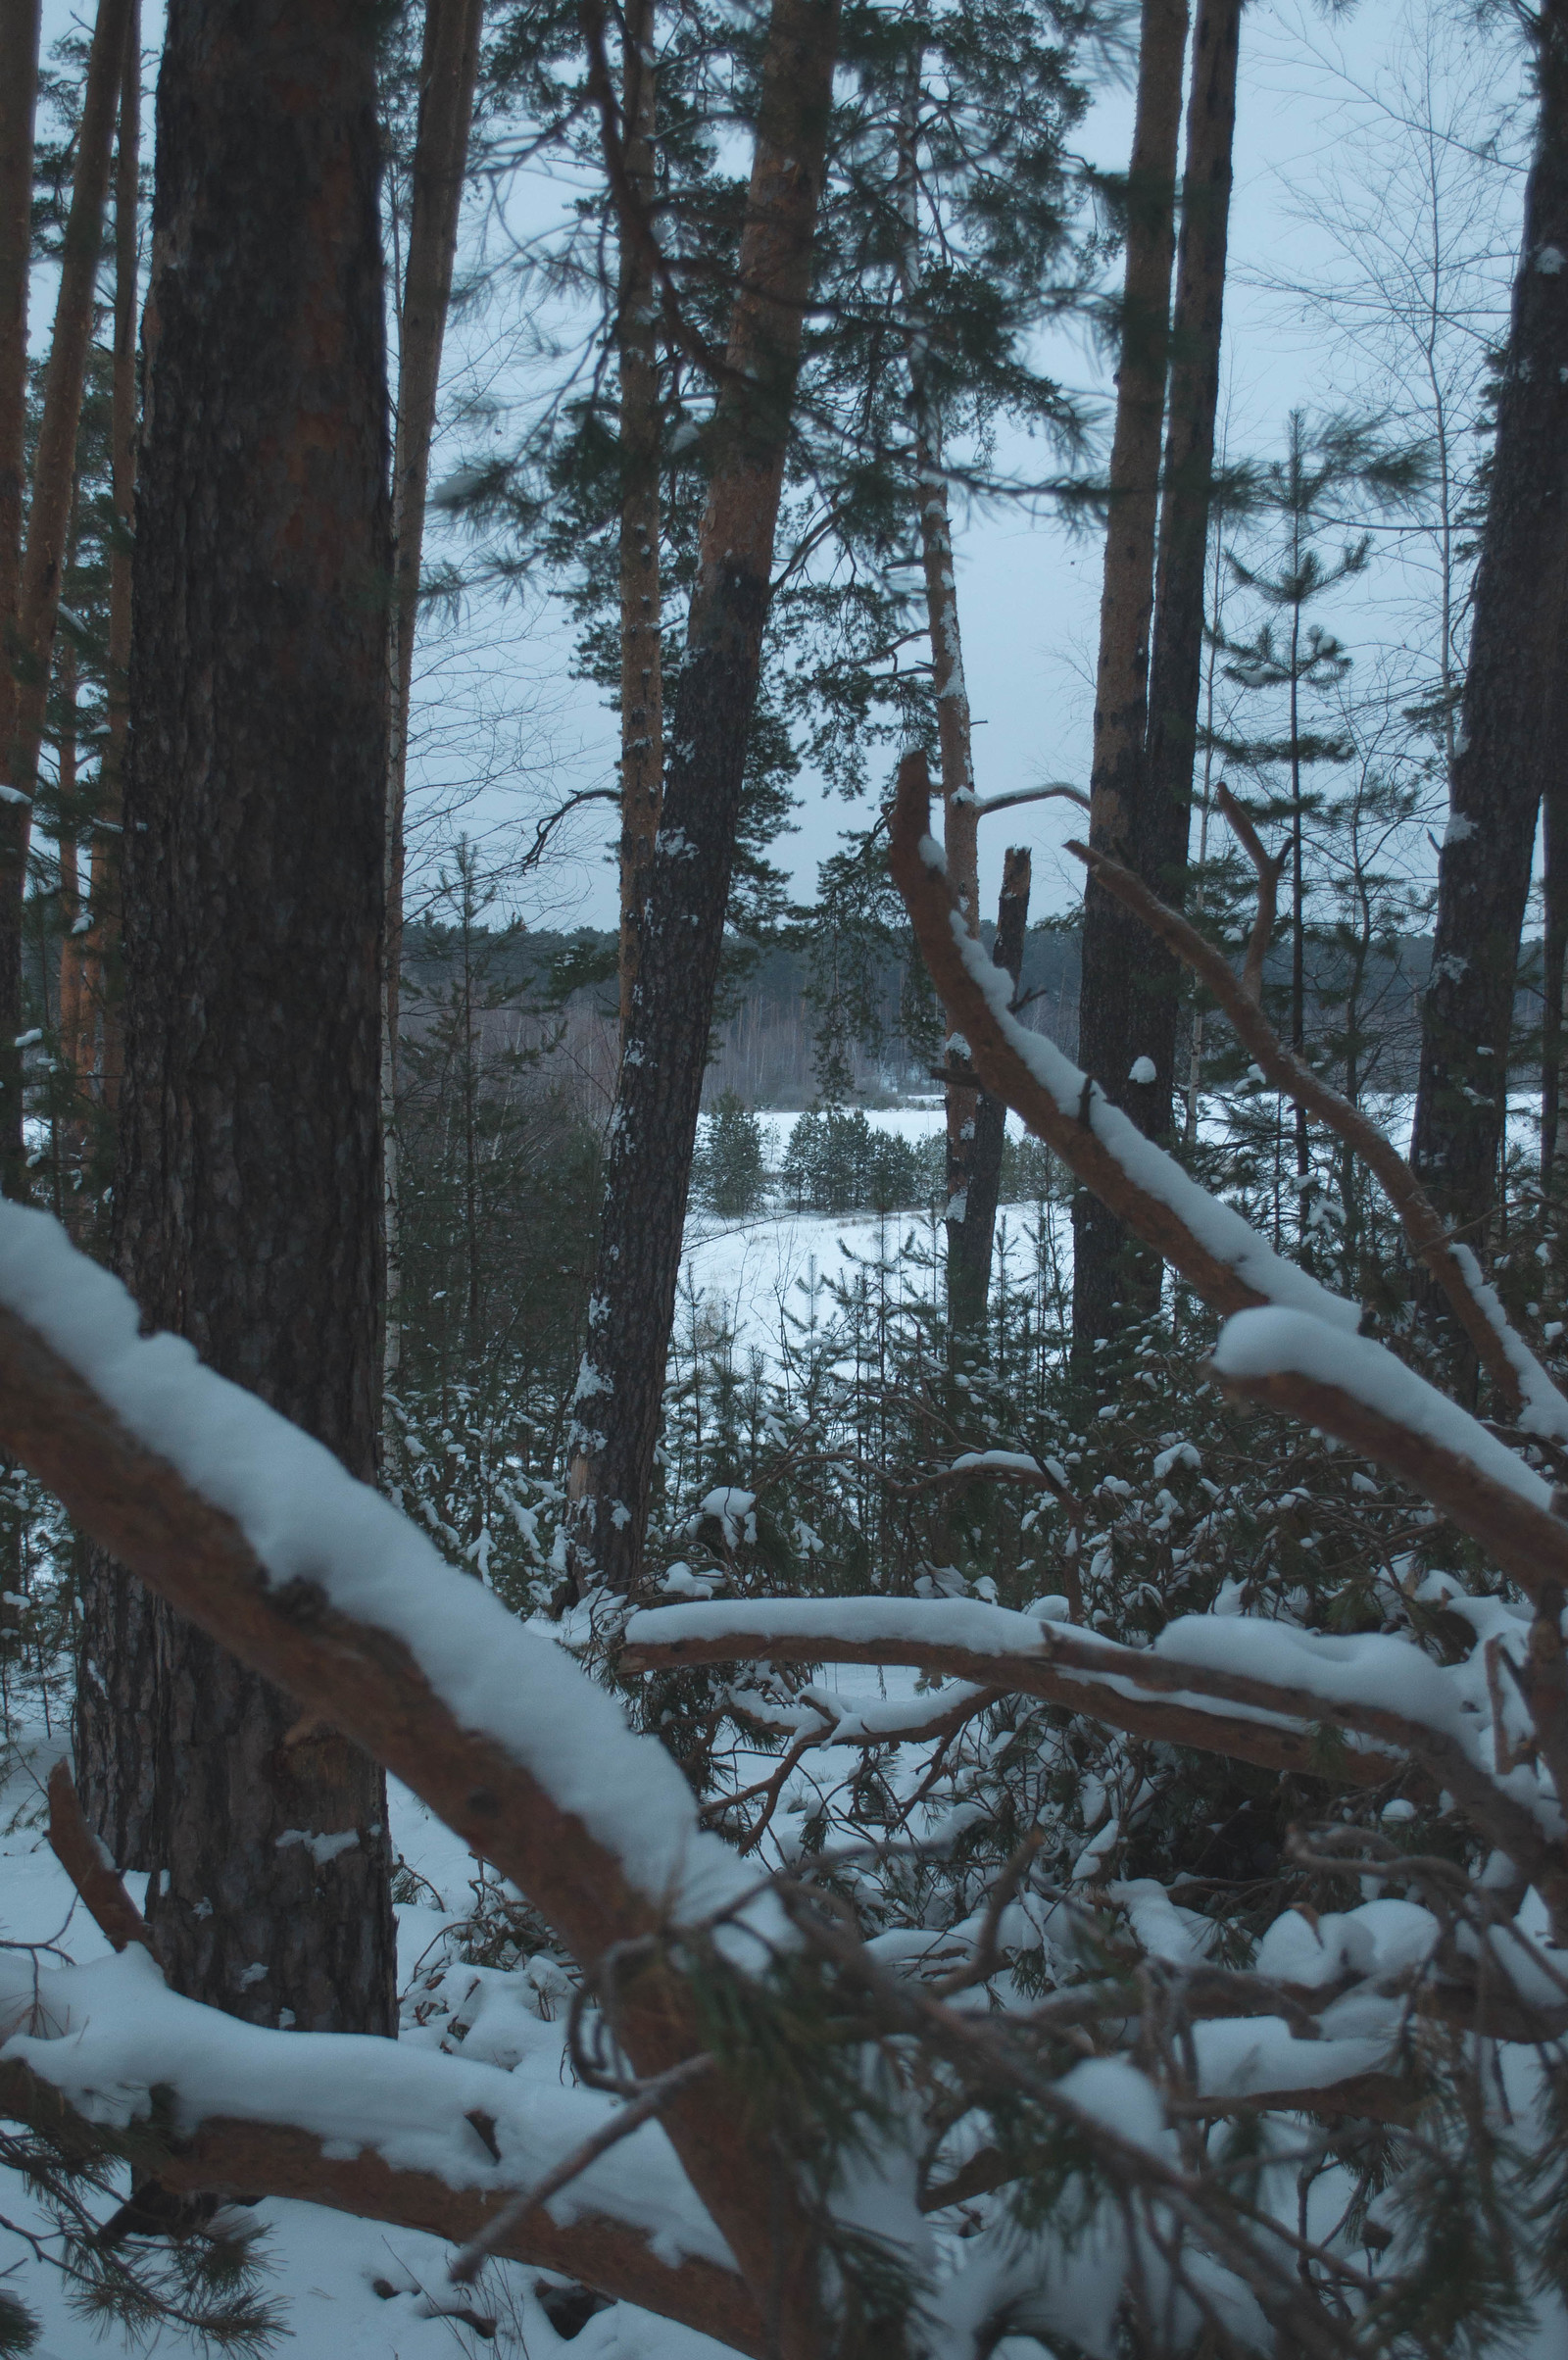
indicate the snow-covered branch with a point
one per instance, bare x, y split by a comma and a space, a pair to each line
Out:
256, 1533
1522, 1381
1214, 1249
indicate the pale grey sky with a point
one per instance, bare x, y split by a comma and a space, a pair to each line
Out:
1325, 101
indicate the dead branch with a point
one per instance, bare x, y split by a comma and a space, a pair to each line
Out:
1002, 1072
1075, 1669
1269, 867
1057, 792
82, 1856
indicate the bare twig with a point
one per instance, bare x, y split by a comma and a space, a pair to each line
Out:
631, 2117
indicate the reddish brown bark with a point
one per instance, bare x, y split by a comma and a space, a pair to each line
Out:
248, 1206
92, 1044
25, 682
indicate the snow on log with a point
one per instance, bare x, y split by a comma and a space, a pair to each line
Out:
254, 1532
382, 2130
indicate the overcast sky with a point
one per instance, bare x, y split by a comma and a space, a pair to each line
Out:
1326, 103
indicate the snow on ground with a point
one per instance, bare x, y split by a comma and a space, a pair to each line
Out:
324, 2265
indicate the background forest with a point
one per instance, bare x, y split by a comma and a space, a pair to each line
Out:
851, 1636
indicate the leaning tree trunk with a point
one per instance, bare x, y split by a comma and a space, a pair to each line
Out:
1507, 749
448, 69
1176, 660
248, 1206
1114, 944
654, 1126
642, 692
969, 1266
25, 682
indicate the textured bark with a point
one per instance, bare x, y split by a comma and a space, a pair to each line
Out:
642, 692
1508, 746
449, 69
1555, 965
116, 1671
1176, 658
103, 1042
1112, 953
25, 682
248, 1202
18, 85
654, 1125
960, 808
969, 1243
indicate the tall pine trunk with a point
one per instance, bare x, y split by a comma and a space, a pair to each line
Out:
449, 69
654, 1125
100, 1036
19, 87
248, 1207
960, 811
25, 682
1508, 746
1114, 944
642, 692
1176, 660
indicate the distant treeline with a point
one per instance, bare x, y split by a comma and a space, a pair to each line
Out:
560, 983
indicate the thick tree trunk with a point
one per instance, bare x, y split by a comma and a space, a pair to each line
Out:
25, 682
641, 693
654, 1126
248, 1206
969, 1252
1176, 660
1115, 946
1507, 747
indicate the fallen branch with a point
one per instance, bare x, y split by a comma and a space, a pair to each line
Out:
248, 2160
1214, 1247
90, 1870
